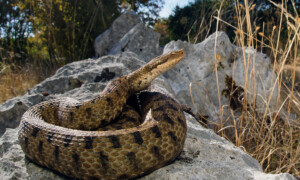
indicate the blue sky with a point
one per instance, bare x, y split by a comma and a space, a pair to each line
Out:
171, 4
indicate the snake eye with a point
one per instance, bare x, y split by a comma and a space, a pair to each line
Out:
142, 78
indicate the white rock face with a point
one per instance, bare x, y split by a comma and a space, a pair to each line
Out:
128, 33
205, 154
196, 75
140, 40
105, 41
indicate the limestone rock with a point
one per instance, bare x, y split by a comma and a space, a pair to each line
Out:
196, 75
205, 154
105, 41
128, 33
12, 110
140, 40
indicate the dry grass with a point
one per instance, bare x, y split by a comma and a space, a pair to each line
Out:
272, 140
15, 81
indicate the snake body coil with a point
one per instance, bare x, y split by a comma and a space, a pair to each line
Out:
61, 134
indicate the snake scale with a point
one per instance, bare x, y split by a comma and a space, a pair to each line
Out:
77, 140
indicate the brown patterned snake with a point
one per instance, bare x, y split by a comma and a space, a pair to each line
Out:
61, 134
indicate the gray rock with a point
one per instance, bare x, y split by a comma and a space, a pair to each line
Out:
105, 41
11, 112
128, 33
196, 75
140, 40
205, 154
12, 159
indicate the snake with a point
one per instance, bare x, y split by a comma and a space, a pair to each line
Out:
124, 132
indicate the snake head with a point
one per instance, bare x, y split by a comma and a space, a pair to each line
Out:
141, 78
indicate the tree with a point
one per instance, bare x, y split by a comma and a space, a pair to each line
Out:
14, 30
63, 30
161, 27
196, 21
69, 27
147, 9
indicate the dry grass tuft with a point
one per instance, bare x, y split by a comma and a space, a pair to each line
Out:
273, 141
15, 81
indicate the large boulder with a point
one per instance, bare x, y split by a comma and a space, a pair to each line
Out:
105, 41
205, 154
140, 40
204, 78
128, 33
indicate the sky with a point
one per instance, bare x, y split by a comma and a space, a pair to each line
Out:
170, 5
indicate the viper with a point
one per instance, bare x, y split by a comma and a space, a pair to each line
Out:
124, 132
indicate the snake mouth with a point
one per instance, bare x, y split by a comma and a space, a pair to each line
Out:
141, 78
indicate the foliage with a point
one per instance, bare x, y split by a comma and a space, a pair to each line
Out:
268, 22
61, 31
195, 21
147, 9
38, 36
198, 20
161, 27
14, 31
69, 27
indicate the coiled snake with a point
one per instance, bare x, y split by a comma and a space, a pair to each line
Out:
75, 139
